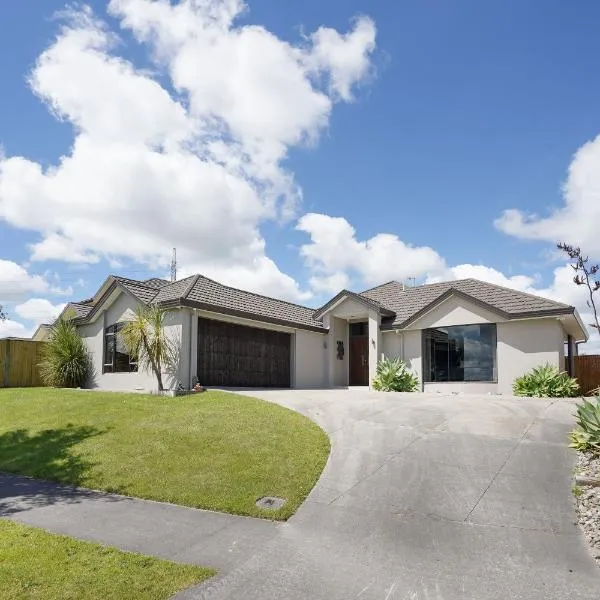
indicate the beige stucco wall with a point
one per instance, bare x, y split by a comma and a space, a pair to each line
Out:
349, 309
523, 345
455, 311
375, 343
407, 346
122, 309
337, 370
310, 359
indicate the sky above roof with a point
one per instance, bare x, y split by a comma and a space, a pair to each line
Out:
295, 149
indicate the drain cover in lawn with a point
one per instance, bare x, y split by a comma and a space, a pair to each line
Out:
270, 503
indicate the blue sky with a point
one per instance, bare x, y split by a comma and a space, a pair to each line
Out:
442, 116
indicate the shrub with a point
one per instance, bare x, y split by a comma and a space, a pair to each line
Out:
546, 381
394, 376
586, 436
65, 359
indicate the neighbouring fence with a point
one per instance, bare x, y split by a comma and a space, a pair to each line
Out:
19, 361
587, 371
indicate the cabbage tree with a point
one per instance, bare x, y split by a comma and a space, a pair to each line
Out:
146, 340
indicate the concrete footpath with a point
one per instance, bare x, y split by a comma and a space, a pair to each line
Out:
423, 497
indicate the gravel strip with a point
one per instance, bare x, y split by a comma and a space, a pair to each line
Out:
588, 502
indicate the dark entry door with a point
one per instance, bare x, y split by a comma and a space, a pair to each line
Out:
359, 361
239, 356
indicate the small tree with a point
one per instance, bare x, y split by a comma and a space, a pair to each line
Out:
65, 358
146, 340
585, 274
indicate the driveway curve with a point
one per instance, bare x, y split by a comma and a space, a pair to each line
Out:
427, 497
424, 497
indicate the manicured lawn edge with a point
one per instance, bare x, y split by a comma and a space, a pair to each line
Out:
216, 451
38, 564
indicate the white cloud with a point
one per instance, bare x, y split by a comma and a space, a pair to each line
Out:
524, 283
335, 255
575, 221
16, 282
330, 284
261, 276
10, 328
39, 310
199, 164
343, 56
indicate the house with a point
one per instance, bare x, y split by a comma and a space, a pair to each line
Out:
42, 333
464, 335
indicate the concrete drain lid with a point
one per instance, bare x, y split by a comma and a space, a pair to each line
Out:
270, 503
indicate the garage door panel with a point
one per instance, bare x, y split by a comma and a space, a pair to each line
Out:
237, 355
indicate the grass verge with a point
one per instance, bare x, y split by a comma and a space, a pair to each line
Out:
35, 564
214, 450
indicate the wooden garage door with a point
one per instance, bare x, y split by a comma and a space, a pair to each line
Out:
239, 356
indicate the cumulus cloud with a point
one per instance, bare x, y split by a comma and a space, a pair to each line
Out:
16, 283
335, 255
10, 328
575, 221
523, 283
39, 310
191, 154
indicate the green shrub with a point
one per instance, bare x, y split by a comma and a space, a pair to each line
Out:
394, 376
65, 359
546, 381
586, 436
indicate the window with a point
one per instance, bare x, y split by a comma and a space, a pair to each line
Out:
116, 357
359, 329
460, 353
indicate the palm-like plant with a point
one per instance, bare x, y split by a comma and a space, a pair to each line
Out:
146, 340
65, 358
393, 375
546, 381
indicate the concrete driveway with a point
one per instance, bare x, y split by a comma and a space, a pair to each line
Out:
424, 497
427, 497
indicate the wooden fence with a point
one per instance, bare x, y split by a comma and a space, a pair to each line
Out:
587, 371
19, 361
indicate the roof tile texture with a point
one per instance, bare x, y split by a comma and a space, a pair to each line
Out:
210, 292
409, 301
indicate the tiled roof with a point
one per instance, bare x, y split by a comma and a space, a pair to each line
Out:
175, 290
144, 293
360, 297
156, 282
215, 296
80, 309
408, 302
207, 291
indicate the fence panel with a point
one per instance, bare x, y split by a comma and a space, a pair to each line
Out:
587, 371
19, 361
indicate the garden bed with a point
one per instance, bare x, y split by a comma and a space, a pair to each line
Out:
588, 499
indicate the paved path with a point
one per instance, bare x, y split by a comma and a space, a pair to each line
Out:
424, 497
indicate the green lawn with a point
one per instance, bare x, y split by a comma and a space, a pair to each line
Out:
35, 564
213, 450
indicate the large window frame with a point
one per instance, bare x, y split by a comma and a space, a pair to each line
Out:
115, 358
460, 354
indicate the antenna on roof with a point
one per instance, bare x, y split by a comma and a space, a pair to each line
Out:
412, 279
174, 266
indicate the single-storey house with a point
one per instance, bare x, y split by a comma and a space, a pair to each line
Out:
463, 336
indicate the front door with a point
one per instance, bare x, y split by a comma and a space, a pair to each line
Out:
359, 360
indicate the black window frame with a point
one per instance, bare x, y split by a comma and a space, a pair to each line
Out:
116, 365
435, 373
